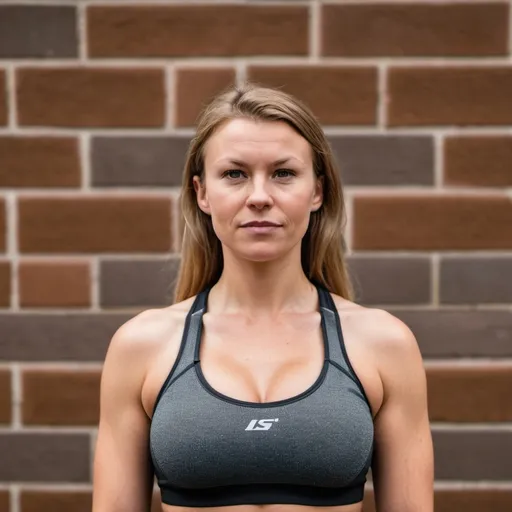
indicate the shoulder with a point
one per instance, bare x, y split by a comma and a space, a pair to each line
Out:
140, 339
387, 338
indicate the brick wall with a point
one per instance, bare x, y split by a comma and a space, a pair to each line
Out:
97, 103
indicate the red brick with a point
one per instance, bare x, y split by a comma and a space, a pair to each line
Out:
337, 95
5, 398
470, 394
415, 30
94, 224
432, 223
54, 284
5, 502
61, 397
5, 284
3, 98
91, 97
56, 501
484, 161
195, 88
450, 96
39, 162
3, 225
197, 30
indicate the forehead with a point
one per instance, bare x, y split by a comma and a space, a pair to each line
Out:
251, 140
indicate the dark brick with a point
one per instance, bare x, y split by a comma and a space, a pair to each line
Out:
138, 161
5, 397
470, 393
91, 97
415, 30
484, 161
5, 284
476, 280
195, 88
385, 160
54, 284
140, 283
390, 280
460, 333
197, 30
337, 95
61, 397
94, 224
466, 455
31, 457
432, 222
39, 162
450, 96
56, 501
40, 31
3, 98
57, 337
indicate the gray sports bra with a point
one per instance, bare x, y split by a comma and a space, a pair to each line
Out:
210, 450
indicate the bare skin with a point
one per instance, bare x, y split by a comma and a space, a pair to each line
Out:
262, 337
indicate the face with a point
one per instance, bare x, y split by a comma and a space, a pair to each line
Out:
259, 188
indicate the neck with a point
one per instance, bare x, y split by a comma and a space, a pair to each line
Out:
262, 289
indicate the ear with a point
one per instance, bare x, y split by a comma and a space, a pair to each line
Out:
318, 195
201, 194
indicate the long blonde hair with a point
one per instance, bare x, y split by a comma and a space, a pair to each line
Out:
323, 245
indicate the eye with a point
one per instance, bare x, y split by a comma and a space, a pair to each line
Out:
284, 173
233, 174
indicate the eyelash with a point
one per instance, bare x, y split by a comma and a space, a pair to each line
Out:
290, 173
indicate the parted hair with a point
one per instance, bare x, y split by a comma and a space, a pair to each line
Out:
323, 246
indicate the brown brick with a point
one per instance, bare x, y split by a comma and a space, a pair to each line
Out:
195, 88
39, 162
475, 280
94, 224
3, 225
432, 223
470, 393
384, 159
5, 398
56, 337
61, 397
54, 284
36, 457
390, 280
56, 501
138, 161
337, 95
91, 97
461, 454
460, 333
415, 30
3, 98
473, 500
484, 161
450, 96
5, 284
5, 502
51, 30
202, 30
139, 283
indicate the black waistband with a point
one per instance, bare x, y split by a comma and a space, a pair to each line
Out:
257, 494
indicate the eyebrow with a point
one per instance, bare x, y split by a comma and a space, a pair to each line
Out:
277, 162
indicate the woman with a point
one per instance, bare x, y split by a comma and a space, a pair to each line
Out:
263, 387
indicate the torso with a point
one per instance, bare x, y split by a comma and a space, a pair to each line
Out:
275, 362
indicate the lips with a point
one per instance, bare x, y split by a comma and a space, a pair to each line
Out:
260, 224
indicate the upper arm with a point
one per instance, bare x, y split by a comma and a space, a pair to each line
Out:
122, 467
403, 463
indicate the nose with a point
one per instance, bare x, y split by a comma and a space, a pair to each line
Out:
258, 194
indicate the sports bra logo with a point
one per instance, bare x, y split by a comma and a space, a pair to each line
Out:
261, 424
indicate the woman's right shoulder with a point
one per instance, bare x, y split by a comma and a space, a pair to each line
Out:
143, 336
